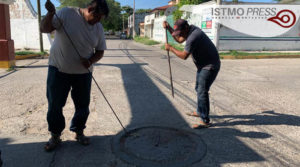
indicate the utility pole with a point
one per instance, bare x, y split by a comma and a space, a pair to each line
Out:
39, 19
133, 31
123, 23
217, 31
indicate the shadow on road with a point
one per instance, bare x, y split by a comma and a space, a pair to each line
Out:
70, 153
149, 106
264, 118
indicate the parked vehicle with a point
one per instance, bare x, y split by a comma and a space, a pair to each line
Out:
123, 35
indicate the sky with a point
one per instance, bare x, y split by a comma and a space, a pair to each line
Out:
139, 4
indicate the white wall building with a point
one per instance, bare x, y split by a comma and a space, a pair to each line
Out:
149, 24
139, 18
24, 26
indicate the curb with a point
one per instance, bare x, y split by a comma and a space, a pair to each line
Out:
242, 57
259, 57
29, 56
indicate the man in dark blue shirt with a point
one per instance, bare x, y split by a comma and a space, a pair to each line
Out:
206, 58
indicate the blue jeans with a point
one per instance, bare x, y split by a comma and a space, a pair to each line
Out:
204, 80
58, 86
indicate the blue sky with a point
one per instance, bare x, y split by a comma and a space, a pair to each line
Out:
139, 4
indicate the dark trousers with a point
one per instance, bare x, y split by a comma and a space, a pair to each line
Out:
204, 80
58, 86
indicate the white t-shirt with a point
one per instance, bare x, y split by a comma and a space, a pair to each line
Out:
86, 38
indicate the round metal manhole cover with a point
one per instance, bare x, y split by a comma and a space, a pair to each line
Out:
159, 147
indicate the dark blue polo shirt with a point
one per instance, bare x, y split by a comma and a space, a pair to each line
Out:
204, 52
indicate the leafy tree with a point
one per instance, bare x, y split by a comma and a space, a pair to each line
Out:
127, 9
177, 13
114, 19
77, 3
126, 12
143, 10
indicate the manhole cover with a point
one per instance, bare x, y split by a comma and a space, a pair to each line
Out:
159, 146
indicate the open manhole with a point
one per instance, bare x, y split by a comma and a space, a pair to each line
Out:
159, 147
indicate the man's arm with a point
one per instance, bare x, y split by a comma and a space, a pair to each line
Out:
94, 59
181, 54
97, 56
46, 23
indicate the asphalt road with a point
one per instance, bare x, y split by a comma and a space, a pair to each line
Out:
254, 108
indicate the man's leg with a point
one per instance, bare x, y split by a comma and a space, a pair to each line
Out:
58, 87
205, 78
81, 90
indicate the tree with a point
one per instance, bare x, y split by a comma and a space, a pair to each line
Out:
127, 9
77, 3
114, 19
126, 12
143, 10
177, 13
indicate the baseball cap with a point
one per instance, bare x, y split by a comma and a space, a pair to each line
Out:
179, 26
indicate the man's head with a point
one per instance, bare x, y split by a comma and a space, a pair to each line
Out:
95, 11
181, 30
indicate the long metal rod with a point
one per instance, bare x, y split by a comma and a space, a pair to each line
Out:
170, 70
39, 20
92, 75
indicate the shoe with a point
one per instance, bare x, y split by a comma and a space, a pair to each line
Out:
81, 138
202, 125
193, 114
53, 142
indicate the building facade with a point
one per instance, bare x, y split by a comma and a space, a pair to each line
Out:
24, 26
139, 18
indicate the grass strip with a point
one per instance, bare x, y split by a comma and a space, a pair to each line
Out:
21, 53
145, 40
176, 46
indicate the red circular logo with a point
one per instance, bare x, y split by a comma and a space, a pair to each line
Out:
285, 18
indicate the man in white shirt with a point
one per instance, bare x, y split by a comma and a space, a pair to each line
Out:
69, 69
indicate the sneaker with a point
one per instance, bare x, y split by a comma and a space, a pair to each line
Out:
53, 142
81, 138
202, 125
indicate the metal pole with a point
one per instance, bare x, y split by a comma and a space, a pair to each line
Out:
133, 29
39, 19
170, 70
123, 23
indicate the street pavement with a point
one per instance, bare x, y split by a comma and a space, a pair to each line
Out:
254, 109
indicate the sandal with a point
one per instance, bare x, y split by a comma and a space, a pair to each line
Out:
82, 139
53, 142
201, 125
193, 114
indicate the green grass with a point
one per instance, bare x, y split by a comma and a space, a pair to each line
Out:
29, 53
176, 46
12, 68
145, 41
